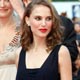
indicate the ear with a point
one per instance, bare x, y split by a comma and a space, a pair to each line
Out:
27, 21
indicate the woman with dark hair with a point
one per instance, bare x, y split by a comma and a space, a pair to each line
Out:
69, 34
42, 57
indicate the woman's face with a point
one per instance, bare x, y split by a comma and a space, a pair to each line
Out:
77, 28
5, 8
40, 21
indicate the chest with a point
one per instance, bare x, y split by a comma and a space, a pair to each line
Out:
6, 37
36, 60
48, 69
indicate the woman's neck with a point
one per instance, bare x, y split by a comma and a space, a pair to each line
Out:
39, 43
6, 22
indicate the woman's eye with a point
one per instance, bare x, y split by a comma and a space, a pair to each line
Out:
38, 18
48, 18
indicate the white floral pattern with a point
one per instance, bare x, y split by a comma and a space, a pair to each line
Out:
8, 72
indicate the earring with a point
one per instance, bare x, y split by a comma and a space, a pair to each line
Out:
28, 25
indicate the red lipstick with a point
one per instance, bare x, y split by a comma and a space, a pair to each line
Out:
43, 30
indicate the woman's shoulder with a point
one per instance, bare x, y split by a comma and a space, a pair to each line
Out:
63, 49
64, 54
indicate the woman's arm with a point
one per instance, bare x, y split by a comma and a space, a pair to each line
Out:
7, 58
18, 7
17, 56
10, 57
65, 68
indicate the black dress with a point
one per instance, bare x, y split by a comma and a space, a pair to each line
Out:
48, 71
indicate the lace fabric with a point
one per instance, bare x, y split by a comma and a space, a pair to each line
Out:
8, 71
9, 51
15, 43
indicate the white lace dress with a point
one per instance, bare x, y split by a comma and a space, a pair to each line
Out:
8, 72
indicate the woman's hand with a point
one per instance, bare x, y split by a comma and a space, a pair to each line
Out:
18, 7
26, 2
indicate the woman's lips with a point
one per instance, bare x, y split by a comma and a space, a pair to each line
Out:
43, 30
3, 10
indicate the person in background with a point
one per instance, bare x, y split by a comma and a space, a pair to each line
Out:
76, 74
70, 41
9, 40
69, 37
77, 30
42, 57
77, 27
63, 14
77, 62
74, 19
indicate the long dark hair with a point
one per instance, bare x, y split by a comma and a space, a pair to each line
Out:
53, 38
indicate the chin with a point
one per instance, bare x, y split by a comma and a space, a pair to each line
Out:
43, 36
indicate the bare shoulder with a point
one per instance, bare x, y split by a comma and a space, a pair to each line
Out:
64, 61
64, 54
64, 51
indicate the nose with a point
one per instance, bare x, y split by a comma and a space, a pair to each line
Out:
2, 4
43, 23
